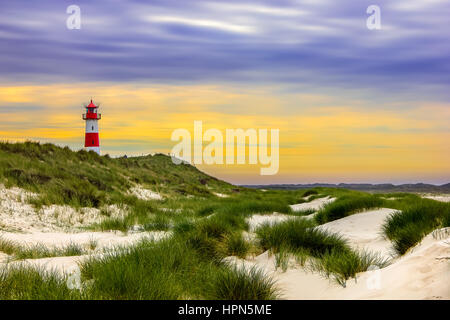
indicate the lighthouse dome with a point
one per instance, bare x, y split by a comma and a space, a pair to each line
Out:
92, 105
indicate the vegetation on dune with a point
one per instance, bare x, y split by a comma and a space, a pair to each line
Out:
330, 254
26, 283
168, 269
407, 227
20, 252
62, 176
310, 192
243, 284
171, 269
348, 205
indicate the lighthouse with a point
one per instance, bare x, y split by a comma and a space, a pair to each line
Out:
91, 141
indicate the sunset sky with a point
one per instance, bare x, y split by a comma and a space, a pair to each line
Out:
351, 104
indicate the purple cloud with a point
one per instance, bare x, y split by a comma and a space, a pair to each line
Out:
300, 43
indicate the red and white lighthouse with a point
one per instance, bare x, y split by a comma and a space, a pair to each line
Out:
91, 141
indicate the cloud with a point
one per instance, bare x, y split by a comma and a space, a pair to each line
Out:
298, 43
214, 24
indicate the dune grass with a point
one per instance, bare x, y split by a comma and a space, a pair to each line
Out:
37, 251
407, 227
299, 234
239, 283
165, 270
26, 283
171, 269
302, 213
186, 266
347, 205
330, 253
234, 244
85, 179
342, 266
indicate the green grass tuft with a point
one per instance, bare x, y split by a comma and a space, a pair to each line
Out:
346, 206
406, 228
26, 283
242, 284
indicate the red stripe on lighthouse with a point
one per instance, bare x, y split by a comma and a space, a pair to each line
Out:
92, 140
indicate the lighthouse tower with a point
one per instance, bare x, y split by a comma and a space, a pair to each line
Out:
91, 141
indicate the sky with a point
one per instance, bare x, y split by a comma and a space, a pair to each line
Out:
351, 104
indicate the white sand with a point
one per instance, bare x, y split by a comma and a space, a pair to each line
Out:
422, 273
443, 198
61, 265
257, 220
104, 241
3, 257
145, 194
220, 195
58, 226
17, 215
363, 230
315, 204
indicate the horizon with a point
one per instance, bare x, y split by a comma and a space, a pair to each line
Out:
351, 104
345, 183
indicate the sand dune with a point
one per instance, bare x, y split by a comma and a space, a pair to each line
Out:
422, 273
363, 231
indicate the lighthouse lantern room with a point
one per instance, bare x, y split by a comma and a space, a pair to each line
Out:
91, 141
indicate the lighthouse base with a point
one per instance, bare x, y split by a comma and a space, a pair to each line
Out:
95, 149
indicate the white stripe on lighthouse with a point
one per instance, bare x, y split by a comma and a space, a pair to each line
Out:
91, 126
96, 149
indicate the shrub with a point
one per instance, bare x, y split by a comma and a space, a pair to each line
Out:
310, 192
